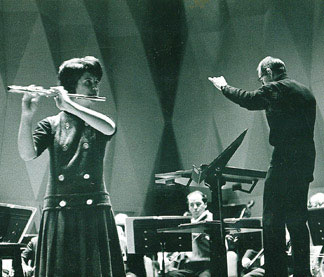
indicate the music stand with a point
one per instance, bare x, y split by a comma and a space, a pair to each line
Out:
143, 238
212, 174
14, 222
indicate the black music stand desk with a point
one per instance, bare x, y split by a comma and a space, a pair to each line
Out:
215, 176
316, 225
143, 238
14, 222
213, 228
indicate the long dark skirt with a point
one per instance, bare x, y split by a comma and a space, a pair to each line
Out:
79, 242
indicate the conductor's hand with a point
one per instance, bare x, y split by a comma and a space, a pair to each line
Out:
218, 82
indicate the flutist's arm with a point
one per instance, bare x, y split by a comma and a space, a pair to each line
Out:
97, 120
26, 146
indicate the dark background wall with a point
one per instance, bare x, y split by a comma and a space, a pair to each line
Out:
157, 56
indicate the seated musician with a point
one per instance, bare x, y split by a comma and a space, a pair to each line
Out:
28, 257
316, 200
252, 263
197, 262
317, 251
256, 269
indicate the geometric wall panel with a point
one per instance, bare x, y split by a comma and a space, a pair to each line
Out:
157, 56
37, 172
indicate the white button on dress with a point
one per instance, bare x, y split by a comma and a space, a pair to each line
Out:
89, 202
86, 176
62, 203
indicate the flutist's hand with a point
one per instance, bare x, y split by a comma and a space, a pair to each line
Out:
29, 103
218, 82
81, 109
63, 101
29, 106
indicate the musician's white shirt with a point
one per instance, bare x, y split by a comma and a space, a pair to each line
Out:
200, 241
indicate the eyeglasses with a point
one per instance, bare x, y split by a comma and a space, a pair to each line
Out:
260, 78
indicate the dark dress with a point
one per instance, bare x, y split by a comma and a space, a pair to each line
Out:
77, 235
290, 109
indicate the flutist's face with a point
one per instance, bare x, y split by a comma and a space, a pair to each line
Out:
87, 85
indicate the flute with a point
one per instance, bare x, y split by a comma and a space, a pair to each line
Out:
49, 93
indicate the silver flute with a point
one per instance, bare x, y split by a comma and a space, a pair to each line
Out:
50, 93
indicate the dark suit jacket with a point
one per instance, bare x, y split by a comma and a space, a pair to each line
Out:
290, 110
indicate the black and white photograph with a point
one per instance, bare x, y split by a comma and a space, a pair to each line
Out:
161, 138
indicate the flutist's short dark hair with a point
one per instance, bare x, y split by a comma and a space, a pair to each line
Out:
71, 70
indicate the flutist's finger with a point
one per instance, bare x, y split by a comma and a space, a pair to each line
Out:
57, 100
28, 95
35, 99
59, 91
34, 88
